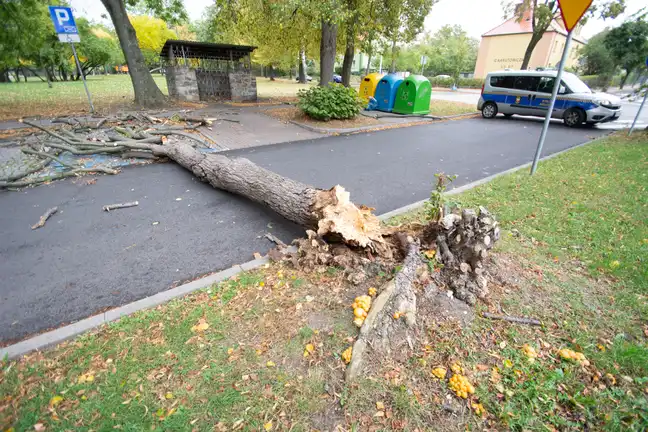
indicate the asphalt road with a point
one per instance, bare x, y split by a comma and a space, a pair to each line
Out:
86, 260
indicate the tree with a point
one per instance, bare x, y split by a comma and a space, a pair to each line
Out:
147, 93
97, 47
402, 21
152, 33
628, 45
452, 51
542, 13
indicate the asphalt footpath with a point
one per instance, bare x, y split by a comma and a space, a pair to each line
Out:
86, 260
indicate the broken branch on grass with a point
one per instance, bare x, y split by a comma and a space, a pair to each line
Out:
44, 218
513, 319
120, 205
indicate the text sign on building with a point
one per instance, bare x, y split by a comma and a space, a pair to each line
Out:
64, 24
572, 11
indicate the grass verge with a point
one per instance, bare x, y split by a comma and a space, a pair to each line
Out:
447, 108
262, 351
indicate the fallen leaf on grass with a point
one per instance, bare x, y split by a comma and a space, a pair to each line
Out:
380, 406
270, 364
257, 255
85, 378
267, 426
39, 427
309, 349
201, 326
55, 401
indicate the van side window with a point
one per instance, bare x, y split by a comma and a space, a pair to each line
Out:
527, 83
546, 84
506, 81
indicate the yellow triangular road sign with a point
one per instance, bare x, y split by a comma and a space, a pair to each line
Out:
572, 11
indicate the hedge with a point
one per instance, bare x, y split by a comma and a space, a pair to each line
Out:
461, 82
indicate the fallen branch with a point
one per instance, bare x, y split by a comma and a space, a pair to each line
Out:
275, 239
513, 319
49, 156
12, 177
120, 206
58, 176
44, 218
181, 133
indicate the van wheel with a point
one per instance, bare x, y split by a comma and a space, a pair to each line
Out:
489, 110
574, 117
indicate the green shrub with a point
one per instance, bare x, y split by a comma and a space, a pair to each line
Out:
327, 103
461, 82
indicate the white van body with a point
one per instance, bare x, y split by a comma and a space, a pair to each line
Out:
529, 93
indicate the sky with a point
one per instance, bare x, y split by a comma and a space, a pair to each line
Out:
475, 16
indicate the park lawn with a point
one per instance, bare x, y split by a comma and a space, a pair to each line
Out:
262, 351
34, 98
109, 93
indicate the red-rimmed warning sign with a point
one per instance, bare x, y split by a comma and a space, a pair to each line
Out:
572, 11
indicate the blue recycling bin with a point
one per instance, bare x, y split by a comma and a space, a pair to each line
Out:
386, 92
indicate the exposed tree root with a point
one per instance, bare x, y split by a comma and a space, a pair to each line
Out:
390, 324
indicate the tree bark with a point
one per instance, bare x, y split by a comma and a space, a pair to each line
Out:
625, 78
349, 52
368, 68
327, 52
147, 93
535, 38
302, 65
392, 68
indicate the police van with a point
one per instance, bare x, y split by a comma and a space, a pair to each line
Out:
528, 93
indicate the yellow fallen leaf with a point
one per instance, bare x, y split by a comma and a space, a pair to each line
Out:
230, 351
267, 426
56, 400
309, 349
380, 406
270, 364
429, 254
85, 378
169, 395
508, 363
200, 327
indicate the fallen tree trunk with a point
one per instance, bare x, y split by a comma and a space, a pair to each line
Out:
328, 212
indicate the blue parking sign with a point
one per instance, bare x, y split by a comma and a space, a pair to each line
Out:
64, 23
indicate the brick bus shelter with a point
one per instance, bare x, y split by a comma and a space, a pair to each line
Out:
200, 71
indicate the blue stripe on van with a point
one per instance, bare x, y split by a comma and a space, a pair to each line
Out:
499, 98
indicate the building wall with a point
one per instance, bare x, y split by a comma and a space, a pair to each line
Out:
507, 51
182, 83
242, 86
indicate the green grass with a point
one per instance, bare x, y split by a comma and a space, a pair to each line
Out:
109, 92
581, 242
446, 108
152, 372
34, 98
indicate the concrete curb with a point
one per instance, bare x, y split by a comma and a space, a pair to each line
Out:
455, 191
348, 131
70, 331
62, 334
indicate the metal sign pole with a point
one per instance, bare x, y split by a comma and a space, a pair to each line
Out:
76, 58
552, 102
638, 113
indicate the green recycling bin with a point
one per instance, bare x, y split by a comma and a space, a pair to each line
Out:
413, 96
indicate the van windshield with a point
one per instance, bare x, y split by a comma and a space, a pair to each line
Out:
575, 84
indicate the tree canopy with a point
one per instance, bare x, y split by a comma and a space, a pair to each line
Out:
628, 44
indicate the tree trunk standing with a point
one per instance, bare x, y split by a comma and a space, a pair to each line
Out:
625, 78
349, 52
4, 76
392, 68
368, 68
272, 73
327, 52
147, 93
535, 38
302, 65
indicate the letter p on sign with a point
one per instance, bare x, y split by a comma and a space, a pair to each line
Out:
62, 16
